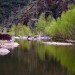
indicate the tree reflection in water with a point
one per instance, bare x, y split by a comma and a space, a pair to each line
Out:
32, 58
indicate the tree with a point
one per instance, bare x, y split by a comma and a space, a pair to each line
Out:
41, 24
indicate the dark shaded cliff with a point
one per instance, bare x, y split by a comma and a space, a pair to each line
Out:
25, 11
8, 6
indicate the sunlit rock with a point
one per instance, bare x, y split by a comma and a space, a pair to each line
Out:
29, 38
16, 37
46, 38
37, 37
4, 51
25, 38
15, 44
9, 45
57, 43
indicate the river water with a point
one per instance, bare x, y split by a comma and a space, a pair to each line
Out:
35, 58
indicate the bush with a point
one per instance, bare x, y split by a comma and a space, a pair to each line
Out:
19, 30
51, 28
22, 30
71, 6
12, 30
42, 23
63, 26
26, 30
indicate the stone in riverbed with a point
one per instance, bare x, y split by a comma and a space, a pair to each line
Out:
4, 51
9, 45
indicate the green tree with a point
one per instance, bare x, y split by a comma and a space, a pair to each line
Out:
63, 26
42, 23
12, 30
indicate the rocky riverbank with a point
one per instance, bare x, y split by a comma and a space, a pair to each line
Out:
6, 46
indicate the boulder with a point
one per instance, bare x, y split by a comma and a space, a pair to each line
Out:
4, 51
9, 45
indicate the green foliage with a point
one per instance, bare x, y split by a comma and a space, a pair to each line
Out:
12, 30
17, 30
63, 26
51, 29
22, 30
26, 30
71, 5
42, 23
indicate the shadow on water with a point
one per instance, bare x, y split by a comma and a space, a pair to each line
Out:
33, 58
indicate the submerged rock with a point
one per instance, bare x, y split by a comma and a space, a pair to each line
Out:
4, 51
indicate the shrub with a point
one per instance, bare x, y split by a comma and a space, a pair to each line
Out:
22, 30
26, 30
71, 5
12, 30
63, 26
67, 24
42, 23
19, 30
51, 28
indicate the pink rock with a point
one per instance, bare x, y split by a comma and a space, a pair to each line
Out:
4, 51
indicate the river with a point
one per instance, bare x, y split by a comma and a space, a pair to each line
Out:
35, 58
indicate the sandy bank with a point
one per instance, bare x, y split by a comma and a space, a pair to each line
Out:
57, 43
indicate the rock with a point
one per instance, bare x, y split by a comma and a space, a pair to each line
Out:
4, 51
72, 41
57, 43
15, 44
46, 38
37, 37
23, 37
29, 38
9, 45
16, 37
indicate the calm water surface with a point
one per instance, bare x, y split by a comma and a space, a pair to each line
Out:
34, 58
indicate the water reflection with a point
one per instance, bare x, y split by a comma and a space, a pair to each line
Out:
32, 58
65, 55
